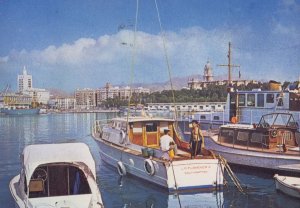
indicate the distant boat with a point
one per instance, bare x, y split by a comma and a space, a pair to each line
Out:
23, 111
288, 185
56, 175
270, 144
138, 153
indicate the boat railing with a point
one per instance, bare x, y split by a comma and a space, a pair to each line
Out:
97, 127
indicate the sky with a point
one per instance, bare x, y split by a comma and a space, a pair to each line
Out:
74, 44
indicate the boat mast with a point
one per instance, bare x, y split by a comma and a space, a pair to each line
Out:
229, 65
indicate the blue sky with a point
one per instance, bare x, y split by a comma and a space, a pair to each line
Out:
75, 44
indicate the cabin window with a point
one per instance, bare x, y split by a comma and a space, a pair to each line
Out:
260, 100
216, 118
251, 100
202, 117
151, 127
242, 100
270, 98
279, 100
58, 180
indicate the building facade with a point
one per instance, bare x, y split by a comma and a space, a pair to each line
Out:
85, 98
24, 81
91, 98
25, 86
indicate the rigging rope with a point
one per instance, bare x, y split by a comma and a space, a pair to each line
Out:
133, 54
167, 59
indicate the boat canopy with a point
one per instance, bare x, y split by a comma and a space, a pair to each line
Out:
278, 119
41, 154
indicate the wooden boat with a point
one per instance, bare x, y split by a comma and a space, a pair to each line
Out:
288, 185
272, 143
56, 175
137, 152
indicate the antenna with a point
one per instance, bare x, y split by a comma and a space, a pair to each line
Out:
229, 65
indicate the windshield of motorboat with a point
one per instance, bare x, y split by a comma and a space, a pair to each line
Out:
58, 180
278, 119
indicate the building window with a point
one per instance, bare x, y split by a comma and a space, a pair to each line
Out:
260, 100
216, 118
201, 107
251, 100
242, 99
270, 98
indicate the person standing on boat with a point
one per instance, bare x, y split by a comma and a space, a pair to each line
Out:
196, 139
167, 145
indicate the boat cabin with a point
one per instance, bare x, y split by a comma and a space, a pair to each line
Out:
272, 130
144, 131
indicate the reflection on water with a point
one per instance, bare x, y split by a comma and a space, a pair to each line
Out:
19, 131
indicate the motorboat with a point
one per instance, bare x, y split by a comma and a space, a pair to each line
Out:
132, 145
56, 175
272, 143
288, 185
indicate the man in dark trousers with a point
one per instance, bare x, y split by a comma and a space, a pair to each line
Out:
196, 139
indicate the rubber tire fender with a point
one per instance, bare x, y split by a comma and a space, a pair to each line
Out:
149, 164
121, 168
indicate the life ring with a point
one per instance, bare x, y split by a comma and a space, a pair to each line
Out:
149, 167
122, 137
274, 133
121, 168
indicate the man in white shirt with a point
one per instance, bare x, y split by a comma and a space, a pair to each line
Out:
165, 141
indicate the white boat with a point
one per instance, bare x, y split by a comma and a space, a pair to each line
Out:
56, 175
247, 107
272, 143
288, 185
137, 152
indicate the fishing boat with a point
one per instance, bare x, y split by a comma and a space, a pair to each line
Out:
132, 145
270, 144
288, 185
56, 175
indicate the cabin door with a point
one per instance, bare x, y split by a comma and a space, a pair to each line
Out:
151, 134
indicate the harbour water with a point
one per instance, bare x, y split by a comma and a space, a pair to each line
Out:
19, 131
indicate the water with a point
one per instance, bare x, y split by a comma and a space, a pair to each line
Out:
127, 192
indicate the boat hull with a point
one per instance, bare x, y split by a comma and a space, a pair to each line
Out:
20, 111
265, 160
175, 176
288, 185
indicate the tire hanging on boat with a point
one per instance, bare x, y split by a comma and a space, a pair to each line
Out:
121, 168
122, 137
274, 133
149, 167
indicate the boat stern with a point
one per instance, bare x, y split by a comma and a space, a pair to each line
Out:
204, 174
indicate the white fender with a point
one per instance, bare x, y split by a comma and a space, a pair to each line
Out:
149, 167
121, 168
122, 137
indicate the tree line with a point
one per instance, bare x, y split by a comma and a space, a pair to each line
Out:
213, 93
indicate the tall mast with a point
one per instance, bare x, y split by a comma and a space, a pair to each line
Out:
229, 65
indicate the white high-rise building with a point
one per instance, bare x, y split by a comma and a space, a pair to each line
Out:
24, 81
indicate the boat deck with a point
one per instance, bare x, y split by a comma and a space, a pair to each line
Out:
181, 155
